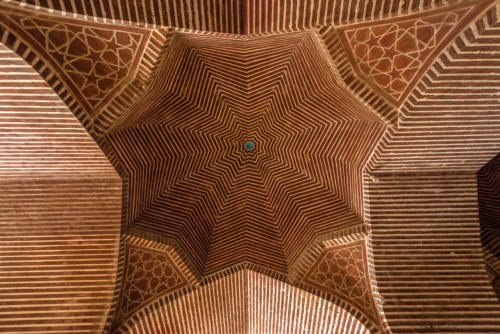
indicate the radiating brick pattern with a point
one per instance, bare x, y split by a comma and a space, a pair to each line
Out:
428, 256
189, 129
217, 236
391, 55
488, 183
247, 302
60, 207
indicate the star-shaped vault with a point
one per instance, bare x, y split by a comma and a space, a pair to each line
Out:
190, 177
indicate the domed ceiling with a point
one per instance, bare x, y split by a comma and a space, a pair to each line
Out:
192, 179
316, 156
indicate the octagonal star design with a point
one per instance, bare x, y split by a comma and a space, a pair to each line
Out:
191, 177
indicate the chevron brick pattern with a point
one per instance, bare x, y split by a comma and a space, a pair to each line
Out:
201, 116
276, 177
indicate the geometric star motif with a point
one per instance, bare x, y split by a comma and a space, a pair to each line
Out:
391, 56
190, 177
94, 61
343, 271
149, 274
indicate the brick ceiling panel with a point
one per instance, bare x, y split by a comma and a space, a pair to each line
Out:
60, 211
427, 254
342, 270
237, 16
246, 302
451, 119
287, 166
211, 96
151, 270
98, 70
38, 133
345, 72
391, 55
94, 61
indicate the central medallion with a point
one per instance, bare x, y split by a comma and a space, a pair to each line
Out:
249, 145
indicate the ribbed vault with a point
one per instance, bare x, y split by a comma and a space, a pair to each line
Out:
319, 155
